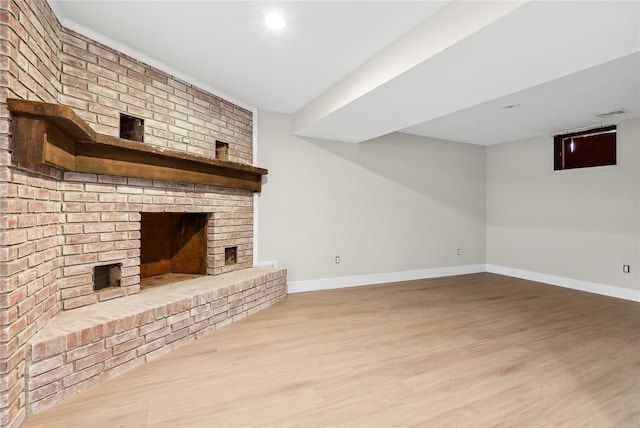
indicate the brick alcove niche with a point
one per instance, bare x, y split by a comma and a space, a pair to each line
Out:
66, 226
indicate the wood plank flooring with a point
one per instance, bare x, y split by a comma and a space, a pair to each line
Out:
474, 350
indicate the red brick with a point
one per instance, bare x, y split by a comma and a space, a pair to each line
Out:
151, 346
12, 364
125, 324
9, 299
91, 334
172, 337
144, 318
127, 245
71, 341
73, 102
12, 416
112, 293
196, 327
156, 334
182, 324
97, 332
98, 227
109, 328
83, 218
68, 293
88, 383
79, 301
26, 334
84, 351
13, 237
74, 281
151, 327
183, 341
81, 238
115, 216
121, 338
49, 377
79, 53
9, 348
97, 247
126, 346
72, 250
203, 316
36, 369
93, 359
7, 316
43, 392
80, 259
112, 255
80, 197
38, 351
181, 316
79, 376
120, 359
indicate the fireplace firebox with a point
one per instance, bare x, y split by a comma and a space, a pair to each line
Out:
172, 243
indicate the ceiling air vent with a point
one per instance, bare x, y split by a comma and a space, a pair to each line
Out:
612, 113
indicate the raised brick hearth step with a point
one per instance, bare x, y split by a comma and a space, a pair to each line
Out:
82, 347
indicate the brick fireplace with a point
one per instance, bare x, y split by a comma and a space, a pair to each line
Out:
96, 229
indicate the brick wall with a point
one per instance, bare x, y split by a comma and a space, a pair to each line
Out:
57, 225
31, 221
100, 83
102, 226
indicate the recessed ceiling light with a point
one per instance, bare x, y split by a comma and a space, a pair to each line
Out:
275, 21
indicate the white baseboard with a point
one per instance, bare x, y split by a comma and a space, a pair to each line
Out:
380, 278
590, 287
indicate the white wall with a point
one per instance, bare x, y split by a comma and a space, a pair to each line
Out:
402, 203
394, 204
582, 225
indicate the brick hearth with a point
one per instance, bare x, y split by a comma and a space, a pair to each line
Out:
81, 348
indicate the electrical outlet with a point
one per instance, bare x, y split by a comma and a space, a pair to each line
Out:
626, 268
337, 260
459, 251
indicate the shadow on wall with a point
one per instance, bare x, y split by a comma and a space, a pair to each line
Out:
447, 172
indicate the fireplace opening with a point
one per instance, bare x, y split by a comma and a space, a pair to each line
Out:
131, 128
106, 276
173, 247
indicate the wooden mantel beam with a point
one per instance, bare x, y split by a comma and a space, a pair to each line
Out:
53, 134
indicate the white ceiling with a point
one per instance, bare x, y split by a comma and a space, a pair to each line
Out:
355, 70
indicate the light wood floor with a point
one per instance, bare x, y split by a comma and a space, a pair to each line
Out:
475, 350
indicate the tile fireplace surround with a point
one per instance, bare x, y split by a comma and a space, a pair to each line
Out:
73, 195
